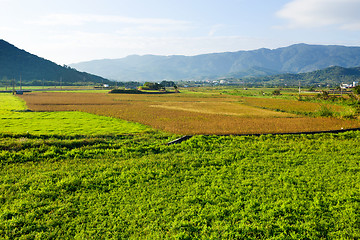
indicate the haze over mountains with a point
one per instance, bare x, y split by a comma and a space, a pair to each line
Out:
33, 70
297, 58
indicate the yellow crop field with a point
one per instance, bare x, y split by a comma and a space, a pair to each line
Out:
190, 113
289, 105
221, 108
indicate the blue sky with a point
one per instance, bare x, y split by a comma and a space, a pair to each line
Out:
80, 30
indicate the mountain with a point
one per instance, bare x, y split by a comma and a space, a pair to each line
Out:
332, 76
34, 70
293, 59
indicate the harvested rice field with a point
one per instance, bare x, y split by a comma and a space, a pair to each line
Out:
185, 113
291, 105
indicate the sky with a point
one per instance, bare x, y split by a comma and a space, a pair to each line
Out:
71, 31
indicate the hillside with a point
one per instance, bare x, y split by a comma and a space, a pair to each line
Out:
297, 58
329, 76
34, 70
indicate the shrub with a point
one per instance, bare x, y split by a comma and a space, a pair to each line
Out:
126, 91
276, 92
325, 112
152, 86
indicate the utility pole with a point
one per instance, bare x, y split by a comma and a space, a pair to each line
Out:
60, 82
20, 83
341, 89
299, 90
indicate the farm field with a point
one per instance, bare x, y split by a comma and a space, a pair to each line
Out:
198, 113
209, 187
15, 119
124, 182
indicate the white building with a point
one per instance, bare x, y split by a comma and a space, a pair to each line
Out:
345, 85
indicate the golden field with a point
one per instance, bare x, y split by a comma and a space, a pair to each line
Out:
189, 113
290, 105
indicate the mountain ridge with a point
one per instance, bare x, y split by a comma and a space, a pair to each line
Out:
17, 63
296, 58
331, 76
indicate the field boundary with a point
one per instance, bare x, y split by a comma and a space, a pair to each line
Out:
187, 137
292, 133
179, 140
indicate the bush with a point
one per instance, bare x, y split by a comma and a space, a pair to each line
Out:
356, 90
325, 112
152, 86
276, 92
128, 91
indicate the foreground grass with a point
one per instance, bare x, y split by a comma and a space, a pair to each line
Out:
14, 119
134, 186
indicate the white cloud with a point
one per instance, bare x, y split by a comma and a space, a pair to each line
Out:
81, 19
321, 13
215, 29
143, 29
124, 26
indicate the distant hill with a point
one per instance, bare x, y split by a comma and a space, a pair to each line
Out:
332, 76
34, 70
297, 58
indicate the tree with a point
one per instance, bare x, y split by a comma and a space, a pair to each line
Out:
152, 86
356, 92
176, 89
167, 83
276, 92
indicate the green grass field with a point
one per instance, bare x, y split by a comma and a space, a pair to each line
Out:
13, 119
268, 187
133, 186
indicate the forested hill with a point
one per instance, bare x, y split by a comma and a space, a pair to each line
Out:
332, 76
293, 59
34, 70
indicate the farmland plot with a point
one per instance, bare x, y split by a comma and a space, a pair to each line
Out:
186, 113
209, 187
294, 106
14, 118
